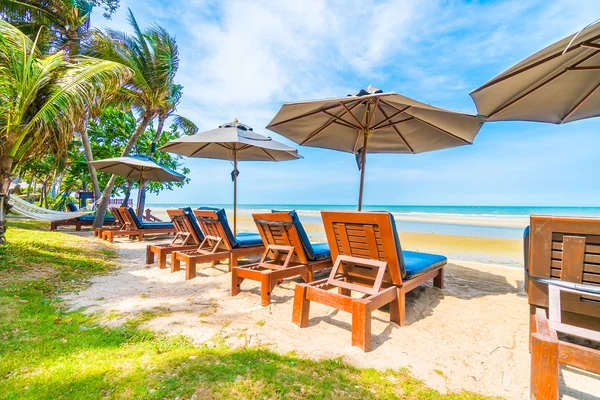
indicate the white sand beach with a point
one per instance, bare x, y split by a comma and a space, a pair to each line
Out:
472, 335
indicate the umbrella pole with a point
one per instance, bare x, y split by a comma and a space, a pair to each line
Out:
141, 196
362, 171
235, 193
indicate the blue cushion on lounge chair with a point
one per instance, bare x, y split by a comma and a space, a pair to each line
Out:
416, 263
412, 263
222, 216
526, 260
138, 223
148, 225
157, 225
321, 250
92, 217
308, 246
248, 239
194, 222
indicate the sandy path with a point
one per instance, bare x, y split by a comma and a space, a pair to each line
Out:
471, 335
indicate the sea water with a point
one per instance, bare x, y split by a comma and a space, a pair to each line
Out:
485, 221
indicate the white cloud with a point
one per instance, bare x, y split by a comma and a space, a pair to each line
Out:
242, 59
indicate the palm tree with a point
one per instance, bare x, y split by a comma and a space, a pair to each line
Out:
67, 24
40, 97
67, 21
167, 110
153, 57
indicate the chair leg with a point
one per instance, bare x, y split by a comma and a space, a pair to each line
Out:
190, 269
140, 237
311, 274
398, 308
361, 325
438, 281
149, 255
77, 227
233, 261
235, 282
162, 259
52, 226
301, 306
544, 368
265, 289
175, 263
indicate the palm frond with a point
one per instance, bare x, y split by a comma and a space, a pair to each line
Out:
186, 125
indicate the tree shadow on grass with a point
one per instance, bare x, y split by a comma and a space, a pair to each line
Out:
177, 369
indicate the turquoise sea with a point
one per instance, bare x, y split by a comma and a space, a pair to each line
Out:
486, 221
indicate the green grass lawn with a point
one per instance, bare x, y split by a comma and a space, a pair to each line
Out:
47, 352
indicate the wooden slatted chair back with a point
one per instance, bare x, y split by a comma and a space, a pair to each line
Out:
212, 227
278, 229
567, 249
368, 235
183, 225
128, 219
115, 212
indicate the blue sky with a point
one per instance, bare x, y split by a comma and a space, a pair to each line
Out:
243, 59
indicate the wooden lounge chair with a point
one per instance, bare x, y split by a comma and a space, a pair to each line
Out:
567, 249
548, 351
219, 243
133, 227
116, 225
563, 290
288, 253
85, 220
188, 237
368, 260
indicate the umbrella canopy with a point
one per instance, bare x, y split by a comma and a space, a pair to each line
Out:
235, 142
230, 141
374, 121
557, 84
137, 167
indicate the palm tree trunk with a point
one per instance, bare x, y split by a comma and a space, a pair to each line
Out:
161, 123
5, 179
103, 204
142, 189
89, 157
73, 44
125, 201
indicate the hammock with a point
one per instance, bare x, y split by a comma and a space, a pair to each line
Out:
27, 209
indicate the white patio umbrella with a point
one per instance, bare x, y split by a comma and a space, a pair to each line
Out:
376, 122
139, 167
557, 84
234, 142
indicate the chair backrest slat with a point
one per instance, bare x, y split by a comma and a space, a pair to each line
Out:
278, 228
211, 225
127, 218
115, 212
184, 225
130, 216
567, 249
369, 235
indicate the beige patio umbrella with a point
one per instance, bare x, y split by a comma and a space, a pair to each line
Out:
375, 122
234, 142
140, 167
557, 84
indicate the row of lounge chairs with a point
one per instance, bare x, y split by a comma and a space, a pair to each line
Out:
562, 272
363, 252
